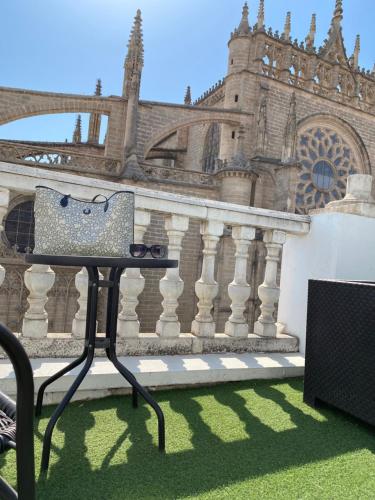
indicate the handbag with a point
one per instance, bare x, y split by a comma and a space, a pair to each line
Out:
69, 226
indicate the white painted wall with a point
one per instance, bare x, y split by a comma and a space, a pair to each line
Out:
339, 246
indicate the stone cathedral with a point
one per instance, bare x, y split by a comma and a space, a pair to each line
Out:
282, 130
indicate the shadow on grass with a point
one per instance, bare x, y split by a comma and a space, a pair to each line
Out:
212, 463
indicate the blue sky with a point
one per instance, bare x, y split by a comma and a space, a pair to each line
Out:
65, 45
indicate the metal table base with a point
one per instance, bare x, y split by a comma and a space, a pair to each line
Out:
93, 342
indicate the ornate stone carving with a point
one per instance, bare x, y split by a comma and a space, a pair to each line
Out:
62, 159
326, 159
262, 127
289, 152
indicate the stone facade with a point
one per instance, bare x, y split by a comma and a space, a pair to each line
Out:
281, 131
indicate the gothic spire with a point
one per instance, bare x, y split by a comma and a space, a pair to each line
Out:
77, 134
338, 13
260, 21
310, 39
134, 58
357, 49
287, 26
98, 89
95, 119
187, 99
333, 48
244, 27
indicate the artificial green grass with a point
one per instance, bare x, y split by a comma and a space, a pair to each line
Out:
249, 440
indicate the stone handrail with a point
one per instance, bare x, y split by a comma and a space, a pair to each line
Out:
214, 217
63, 159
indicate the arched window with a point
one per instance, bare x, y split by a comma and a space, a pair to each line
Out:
211, 148
19, 227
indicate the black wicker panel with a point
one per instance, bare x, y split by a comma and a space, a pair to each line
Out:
340, 347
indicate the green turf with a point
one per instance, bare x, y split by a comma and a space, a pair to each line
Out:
249, 440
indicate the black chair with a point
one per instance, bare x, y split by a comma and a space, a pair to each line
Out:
21, 436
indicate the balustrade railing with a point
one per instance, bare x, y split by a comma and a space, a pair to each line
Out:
48, 157
177, 210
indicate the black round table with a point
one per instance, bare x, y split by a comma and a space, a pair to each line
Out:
92, 342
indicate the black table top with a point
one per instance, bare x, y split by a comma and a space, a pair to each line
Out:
82, 261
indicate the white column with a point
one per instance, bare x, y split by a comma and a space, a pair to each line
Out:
132, 283
39, 279
172, 286
239, 289
206, 287
4, 203
79, 322
268, 291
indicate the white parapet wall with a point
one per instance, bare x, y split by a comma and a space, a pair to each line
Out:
339, 246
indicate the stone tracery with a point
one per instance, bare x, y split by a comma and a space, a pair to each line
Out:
327, 159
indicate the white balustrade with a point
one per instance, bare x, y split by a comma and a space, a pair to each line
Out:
239, 289
172, 286
132, 283
269, 292
206, 287
39, 279
178, 211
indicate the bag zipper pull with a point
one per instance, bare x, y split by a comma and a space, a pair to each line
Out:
64, 200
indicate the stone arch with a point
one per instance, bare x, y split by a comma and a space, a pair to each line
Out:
171, 129
19, 103
329, 150
29, 111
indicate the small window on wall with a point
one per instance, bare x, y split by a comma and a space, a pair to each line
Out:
19, 227
231, 61
233, 134
236, 98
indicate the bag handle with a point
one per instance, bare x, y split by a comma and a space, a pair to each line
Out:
106, 201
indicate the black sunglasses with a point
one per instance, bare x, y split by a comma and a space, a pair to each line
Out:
156, 251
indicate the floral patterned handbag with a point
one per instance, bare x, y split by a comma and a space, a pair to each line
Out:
68, 226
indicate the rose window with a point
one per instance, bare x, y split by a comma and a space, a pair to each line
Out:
326, 160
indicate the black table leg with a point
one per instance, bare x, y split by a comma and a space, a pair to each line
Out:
92, 300
112, 313
60, 373
61, 407
111, 330
145, 394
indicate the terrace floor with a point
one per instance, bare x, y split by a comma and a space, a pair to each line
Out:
243, 440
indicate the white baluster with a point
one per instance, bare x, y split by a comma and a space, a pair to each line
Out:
39, 279
268, 291
132, 283
172, 286
4, 203
206, 287
79, 322
239, 289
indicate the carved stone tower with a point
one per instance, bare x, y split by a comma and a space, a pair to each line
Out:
131, 88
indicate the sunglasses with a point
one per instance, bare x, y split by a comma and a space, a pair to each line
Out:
156, 251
